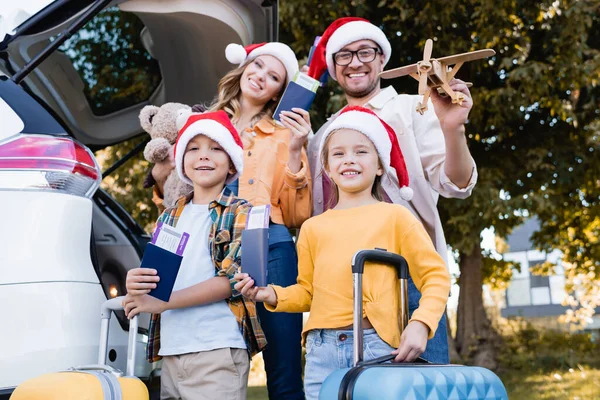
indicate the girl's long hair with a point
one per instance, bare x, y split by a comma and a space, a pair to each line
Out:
376, 190
228, 97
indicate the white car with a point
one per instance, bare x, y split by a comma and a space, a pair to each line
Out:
66, 245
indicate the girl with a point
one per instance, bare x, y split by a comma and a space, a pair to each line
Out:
356, 152
276, 173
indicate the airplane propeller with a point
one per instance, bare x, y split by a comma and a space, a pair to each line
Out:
425, 66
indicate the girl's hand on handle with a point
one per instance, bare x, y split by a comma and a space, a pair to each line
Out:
298, 122
412, 342
141, 280
246, 287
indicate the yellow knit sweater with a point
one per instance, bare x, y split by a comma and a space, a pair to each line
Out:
325, 248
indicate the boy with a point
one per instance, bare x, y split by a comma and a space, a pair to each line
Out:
207, 330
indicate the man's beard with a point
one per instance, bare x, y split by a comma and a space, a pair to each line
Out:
359, 94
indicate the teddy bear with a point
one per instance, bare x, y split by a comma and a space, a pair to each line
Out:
161, 124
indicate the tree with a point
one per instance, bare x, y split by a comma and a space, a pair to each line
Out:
524, 129
115, 67
126, 183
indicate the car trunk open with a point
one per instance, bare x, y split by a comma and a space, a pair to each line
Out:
131, 54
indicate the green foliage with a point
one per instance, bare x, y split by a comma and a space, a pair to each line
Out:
497, 273
116, 69
126, 184
546, 268
527, 348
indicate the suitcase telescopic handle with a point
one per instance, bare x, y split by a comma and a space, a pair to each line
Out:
358, 266
381, 256
116, 304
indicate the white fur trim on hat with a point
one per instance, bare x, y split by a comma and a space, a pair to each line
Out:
235, 53
217, 132
352, 32
367, 124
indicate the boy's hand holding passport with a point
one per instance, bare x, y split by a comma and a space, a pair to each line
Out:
164, 254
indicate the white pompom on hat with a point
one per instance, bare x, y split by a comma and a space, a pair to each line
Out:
237, 54
218, 127
382, 135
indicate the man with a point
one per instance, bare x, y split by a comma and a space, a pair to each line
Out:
434, 146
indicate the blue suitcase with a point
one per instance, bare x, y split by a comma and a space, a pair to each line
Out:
420, 380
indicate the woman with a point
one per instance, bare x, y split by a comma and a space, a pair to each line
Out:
276, 173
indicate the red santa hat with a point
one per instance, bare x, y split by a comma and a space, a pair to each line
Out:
218, 127
236, 54
382, 135
340, 33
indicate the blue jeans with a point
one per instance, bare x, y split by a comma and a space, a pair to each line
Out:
329, 349
283, 355
437, 347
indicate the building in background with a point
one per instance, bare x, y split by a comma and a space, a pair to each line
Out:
536, 298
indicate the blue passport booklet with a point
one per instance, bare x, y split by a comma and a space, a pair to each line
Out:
167, 264
255, 245
164, 254
300, 93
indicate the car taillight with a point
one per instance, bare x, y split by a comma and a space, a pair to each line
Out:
44, 162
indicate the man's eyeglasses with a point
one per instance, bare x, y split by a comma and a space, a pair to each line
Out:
365, 55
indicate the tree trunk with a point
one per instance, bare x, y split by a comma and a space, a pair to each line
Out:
476, 339
452, 352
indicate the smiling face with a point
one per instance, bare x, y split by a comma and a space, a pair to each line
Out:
360, 79
205, 163
263, 79
351, 161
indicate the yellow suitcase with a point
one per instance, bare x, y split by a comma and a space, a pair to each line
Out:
91, 382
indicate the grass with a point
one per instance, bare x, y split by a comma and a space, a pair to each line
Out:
257, 393
580, 383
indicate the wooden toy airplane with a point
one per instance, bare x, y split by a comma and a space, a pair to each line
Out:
435, 73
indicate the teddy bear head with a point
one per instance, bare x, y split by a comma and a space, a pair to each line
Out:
161, 124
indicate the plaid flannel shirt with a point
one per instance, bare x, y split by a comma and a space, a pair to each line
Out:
228, 214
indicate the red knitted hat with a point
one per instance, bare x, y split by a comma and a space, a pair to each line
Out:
340, 33
382, 135
237, 54
218, 127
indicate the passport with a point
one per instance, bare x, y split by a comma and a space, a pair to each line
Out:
255, 255
255, 245
166, 264
300, 93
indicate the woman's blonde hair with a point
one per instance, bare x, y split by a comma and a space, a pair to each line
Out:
229, 92
376, 190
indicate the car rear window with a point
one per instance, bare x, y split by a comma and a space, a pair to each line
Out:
116, 69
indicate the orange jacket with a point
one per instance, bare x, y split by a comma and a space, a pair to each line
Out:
267, 179
158, 199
